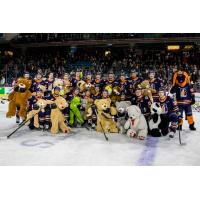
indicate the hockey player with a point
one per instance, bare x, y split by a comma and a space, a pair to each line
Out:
123, 84
76, 79
97, 94
155, 83
134, 81
49, 83
32, 105
36, 82
143, 102
169, 112
185, 98
98, 81
111, 81
67, 83
105, 94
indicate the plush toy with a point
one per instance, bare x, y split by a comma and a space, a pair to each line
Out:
157, 121
136, 124
37, 112
121, 114
19, 98
57, 117
86, 106
75, 111
146, 90
105, 114
83, 86
59, 83
116, 94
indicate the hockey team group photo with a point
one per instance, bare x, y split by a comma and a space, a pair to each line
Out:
99, 99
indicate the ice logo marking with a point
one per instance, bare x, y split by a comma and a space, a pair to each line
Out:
32, 143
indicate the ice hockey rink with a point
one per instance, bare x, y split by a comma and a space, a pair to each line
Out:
90, 148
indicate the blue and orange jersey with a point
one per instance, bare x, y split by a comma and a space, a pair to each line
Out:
168, 105
184, 93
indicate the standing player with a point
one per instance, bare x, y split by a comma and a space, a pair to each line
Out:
155, 84
49, 84
134, 81
37, 81
123, 84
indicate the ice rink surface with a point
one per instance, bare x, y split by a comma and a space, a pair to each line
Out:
89, 148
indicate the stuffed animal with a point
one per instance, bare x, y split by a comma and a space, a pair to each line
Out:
105, 114
19, 98
157, 121
83, 86
75, 111
116, 94
121, 114
146, 90
57, 117
136, 124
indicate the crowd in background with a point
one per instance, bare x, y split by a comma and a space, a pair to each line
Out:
60, 37
126, 59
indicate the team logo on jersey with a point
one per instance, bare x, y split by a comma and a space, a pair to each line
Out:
183, 92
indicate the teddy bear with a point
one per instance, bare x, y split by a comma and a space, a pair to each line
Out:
136, 124
157, 121
121, 114
37, 113
83, 87
18, 98
147, 90
75, 111
57, 117
105, 114
114, 93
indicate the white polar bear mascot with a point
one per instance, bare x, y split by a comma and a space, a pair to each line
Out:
136, 125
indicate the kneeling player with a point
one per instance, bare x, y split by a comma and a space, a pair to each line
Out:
169, 113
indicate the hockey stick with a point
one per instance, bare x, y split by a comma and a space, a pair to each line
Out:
179, 133
21, 125
102, 127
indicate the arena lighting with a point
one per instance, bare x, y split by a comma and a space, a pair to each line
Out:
173, 47
107, 53
188, 46
8, 53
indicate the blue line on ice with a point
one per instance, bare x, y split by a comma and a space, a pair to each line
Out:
149, 153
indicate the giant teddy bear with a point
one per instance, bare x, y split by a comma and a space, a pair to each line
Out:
105, 113
18, 98
57, 117
136, 124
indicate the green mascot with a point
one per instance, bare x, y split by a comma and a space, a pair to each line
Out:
74, 111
